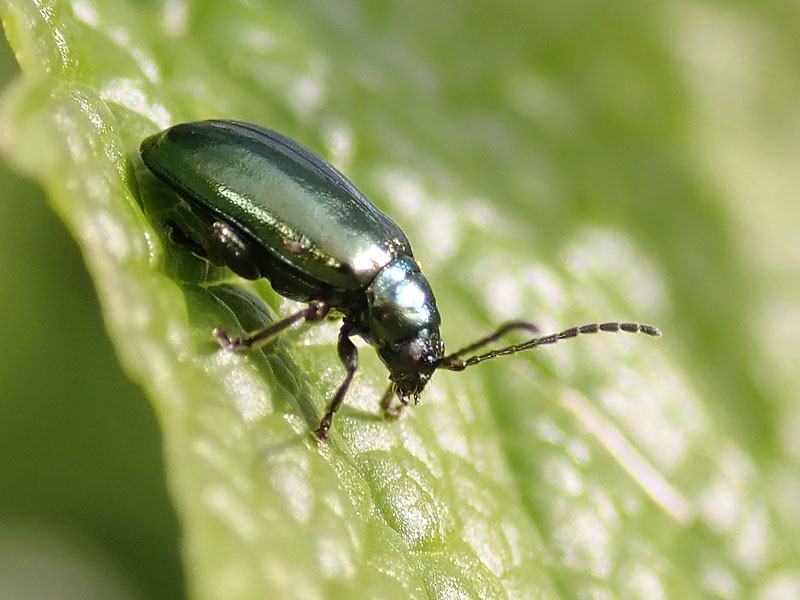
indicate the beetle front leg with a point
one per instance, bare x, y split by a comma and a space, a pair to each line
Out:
388, 408
348, 354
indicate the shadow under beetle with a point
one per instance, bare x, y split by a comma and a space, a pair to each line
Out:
274, 209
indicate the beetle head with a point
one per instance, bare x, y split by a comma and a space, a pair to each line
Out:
412, 362
402, 322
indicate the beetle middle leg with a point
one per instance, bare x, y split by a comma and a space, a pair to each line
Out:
315, 311
348, 354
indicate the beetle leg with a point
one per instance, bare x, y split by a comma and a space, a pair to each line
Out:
390, 410
348, 354
178, 236
315, 311
227, 245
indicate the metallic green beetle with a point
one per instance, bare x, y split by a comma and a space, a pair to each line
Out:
274, 209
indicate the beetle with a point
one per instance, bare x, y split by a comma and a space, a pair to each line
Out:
272, 208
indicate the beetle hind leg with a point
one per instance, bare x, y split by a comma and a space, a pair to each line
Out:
229, 246
178, 236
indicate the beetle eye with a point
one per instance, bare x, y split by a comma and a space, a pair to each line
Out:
410, 354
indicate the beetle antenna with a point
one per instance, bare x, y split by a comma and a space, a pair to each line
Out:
453, 363
492, 337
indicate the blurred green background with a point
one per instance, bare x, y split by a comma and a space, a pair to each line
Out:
677, 123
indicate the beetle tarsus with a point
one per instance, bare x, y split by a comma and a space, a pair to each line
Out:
321, 432
228, 343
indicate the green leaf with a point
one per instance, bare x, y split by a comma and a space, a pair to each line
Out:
544, 164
